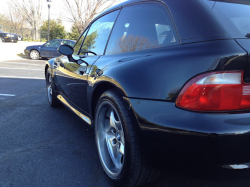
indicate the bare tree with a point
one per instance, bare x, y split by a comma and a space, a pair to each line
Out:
29, 11
15, 21
81, 12
132, 43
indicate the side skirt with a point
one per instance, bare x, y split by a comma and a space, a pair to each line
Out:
84, 117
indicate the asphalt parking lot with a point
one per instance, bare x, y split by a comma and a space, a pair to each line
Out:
43, 146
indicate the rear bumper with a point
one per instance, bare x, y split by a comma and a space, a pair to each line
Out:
178, 135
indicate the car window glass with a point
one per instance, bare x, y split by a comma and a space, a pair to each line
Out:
79, 43
68, 43
141, 27
98, 34
53, 43
71, 44
234, 16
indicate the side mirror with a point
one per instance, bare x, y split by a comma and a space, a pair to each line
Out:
68, 51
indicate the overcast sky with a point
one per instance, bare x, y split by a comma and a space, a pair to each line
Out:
56, 10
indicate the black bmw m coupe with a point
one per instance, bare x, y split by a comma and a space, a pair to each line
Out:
163, 80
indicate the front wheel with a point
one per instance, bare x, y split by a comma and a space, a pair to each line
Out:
51, 95
117, 140
34, 54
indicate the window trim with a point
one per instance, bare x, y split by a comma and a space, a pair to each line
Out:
83, 39
87, 29
161, 3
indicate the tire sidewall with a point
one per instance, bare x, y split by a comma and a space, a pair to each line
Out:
108, 96
47, 84
54, 101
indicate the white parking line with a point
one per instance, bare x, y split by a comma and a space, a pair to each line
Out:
11, 95
17, 77
27, 69
22, 63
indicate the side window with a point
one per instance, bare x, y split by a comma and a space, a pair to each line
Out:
79, 42
48, 44
71, 44
68, 42
98, 34
142, 27
53, 43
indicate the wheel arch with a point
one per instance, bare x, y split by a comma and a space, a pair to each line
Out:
46, 69
98, 90
49, 64
35, 50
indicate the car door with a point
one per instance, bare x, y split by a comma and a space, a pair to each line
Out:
50, 49
43, 51
53, 49
73, 76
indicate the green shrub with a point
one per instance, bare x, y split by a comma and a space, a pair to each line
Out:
33, 40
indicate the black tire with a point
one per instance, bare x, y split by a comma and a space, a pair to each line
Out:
51, 95
34, 55
136, 169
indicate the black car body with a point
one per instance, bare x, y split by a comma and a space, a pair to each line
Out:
198, 41
9, 37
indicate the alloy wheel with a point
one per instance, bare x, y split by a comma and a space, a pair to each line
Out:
34, 55
49, 87
110, 139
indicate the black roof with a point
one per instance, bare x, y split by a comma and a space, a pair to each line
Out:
188, 15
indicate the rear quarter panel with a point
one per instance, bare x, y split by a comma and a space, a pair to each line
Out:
161, 73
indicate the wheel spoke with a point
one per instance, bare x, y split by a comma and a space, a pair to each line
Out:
110, 137
121, 148
115, 150
114, 123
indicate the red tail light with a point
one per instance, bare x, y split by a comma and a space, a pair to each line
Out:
216, 91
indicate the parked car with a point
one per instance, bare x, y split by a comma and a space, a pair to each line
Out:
9, 37
47, 50
160, 81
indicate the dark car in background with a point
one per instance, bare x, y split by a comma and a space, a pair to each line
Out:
9, 37
161, 82
47, 50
